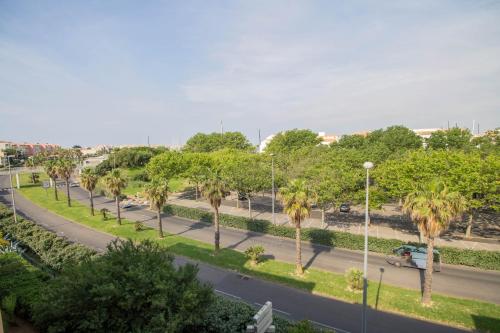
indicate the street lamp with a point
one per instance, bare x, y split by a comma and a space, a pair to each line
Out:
12, 189
367, 166
272, 178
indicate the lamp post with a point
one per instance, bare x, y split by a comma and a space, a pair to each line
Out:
367, 166
272, 179
12, 189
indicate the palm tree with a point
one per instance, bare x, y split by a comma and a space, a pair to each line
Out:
31, 164
115, 183
214, 189
297, 199
432, 207
65, 168
51, 170
89, 179
157, 194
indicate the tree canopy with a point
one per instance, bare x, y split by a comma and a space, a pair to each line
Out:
204, 143
289, 141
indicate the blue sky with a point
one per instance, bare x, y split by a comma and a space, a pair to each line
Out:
90, 72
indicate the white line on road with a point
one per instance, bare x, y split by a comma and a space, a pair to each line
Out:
227, 294
330, 327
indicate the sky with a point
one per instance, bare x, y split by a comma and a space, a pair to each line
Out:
117, 71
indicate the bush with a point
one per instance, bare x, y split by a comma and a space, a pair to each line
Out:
475, 258
354, 279
138, 226
253, 253
52, 250
20, 281
130, 288
141, 176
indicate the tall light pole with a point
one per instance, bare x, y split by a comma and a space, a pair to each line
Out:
272, 179
12, 189
367, 166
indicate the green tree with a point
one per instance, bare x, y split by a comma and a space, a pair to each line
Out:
197, 167
247, 174
89, 179
65, 168
130, 288
355, 141
31, 163
432, 207
289, 141
399, 138
215, 190
205, 143
167, 165
297, 199
51, 170
115, 183
157, 194
454, 138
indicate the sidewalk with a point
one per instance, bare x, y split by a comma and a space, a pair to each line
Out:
374, 231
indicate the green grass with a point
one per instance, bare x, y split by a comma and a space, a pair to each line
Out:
454, 311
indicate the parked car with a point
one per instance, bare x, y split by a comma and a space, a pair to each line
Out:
126, 205
345, 208
411, 256
74, 184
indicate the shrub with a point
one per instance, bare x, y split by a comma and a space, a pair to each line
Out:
21, 280
53, 251
253, 253
130, 288
104, 212
141, 176
138, 226
475, 258
354, 279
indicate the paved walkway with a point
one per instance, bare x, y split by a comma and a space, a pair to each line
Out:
375, 230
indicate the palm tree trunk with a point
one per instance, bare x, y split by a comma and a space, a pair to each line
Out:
426, 297
237, 200
160, 227
91, 203
196, 192
118, 217
216, 226
33, 177
67, 192
249, 207
469, 225
55, 189
298, 250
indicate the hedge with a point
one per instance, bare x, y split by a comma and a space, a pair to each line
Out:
53, 251
475, 258
24, 281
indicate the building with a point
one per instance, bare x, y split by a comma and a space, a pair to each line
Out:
26, 149
426, 133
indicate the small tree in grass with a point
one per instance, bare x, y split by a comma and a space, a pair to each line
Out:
354, 279
254, 253
104, 213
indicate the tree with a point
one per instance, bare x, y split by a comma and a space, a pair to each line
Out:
115, 183
355, 141
130, 288
454, 138
399, 138
89, 179
205, 143
215, 190
65, 168
247, 174
51, 170
167, 165
432, 207
297, 199
286, 142
197, 166
157, 194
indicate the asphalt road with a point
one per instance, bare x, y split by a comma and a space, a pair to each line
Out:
452, 280
288, 302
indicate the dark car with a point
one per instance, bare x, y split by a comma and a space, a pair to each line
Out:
411, 256
345, 208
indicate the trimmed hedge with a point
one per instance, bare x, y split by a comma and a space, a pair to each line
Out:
475, 258
24, 281
53, 251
